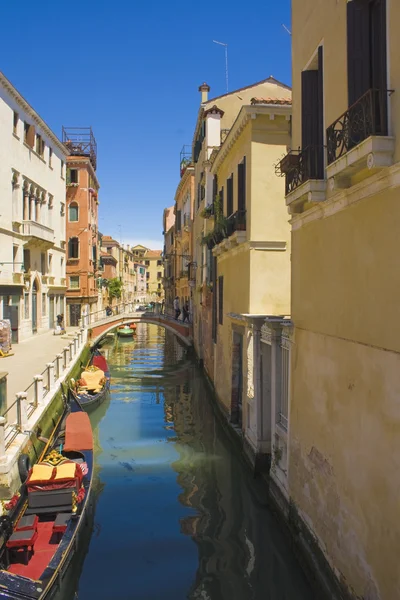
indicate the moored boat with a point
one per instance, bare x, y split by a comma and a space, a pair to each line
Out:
40, 533
125, 331
94, 382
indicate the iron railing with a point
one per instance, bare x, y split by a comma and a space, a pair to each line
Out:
80, 141
366, 117
300, 166
236, 222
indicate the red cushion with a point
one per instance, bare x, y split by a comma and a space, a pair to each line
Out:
22, 538
28, 522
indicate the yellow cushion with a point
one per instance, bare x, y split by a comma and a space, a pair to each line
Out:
66, 471
93, 378
41, 473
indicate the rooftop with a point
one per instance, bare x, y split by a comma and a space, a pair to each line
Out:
80, 141
277, 101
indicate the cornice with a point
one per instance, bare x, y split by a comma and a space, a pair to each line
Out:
185, 177
245, 115
32, 113
85, 162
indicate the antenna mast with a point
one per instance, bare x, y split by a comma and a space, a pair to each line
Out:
226, 62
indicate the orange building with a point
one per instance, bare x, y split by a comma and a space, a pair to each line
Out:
82, 224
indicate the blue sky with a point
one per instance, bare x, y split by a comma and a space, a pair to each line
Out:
131, 70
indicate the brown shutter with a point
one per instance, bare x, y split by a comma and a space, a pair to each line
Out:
358, 49
379, 64
229, 196
309, 109
242, 185
221, 300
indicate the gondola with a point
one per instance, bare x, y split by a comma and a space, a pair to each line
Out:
94, 382
39, 536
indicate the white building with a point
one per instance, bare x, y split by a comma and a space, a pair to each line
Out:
32, 217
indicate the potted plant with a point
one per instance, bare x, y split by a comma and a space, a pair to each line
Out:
289, 162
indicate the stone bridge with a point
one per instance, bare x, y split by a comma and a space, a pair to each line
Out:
99, 324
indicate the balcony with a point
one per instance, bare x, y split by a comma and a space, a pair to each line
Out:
304, 176
48, 279
358, 141
230, 232
37, 235
18, 278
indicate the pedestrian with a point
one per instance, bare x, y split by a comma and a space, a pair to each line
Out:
185, 309
60, 321
162, 307
176, 308
108, 311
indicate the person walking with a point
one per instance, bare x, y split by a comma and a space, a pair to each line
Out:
185, 309
176, 308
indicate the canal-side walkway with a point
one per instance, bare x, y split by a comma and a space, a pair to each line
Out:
30, 358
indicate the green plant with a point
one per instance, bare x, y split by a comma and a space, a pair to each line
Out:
207, 212
277, 454
114, 288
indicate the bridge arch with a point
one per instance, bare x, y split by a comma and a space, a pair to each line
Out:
98, 330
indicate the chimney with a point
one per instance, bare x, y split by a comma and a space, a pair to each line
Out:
204, 89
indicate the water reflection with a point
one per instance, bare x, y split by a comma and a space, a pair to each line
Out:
177, 516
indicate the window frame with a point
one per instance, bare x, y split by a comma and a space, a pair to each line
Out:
74, 237
74, 287
73, 204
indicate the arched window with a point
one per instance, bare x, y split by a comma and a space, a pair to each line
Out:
73, 212
73, 248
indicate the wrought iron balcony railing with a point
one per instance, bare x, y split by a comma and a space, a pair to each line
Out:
236, 222
366, 117
300, 166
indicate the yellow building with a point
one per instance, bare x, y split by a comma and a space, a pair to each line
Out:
250, 242
216, 118
184, 200
169, 257
342, 190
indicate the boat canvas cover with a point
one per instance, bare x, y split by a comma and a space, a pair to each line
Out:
78, 433
100, 362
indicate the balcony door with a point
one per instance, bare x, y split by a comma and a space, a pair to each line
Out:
366, 56
312, 119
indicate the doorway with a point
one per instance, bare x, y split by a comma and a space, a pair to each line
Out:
237, 379
74, 314
34, 307
51, 313
11, 312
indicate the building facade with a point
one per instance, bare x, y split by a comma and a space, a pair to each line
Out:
83, 244
169, 257
183, 210
342, 191
153, 261
32, 218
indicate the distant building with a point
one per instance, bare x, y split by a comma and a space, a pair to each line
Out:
32, 217
82, 224
132, 274
153, 260
169, 256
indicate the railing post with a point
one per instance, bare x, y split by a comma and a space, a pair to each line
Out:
71, 352
65, 352
76, 344
80, 322
59, 358
79, 336
21, 410
2, 437
50, 375
38, 390
83, 336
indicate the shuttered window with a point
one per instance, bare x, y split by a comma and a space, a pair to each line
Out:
242, 185
178, 224
214, 300
229, 196
221, 200
220, 300
312, 135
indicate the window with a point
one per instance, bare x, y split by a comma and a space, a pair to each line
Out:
15, 123
15, 257
26, 305
39, 145
50, 263
50, 156
147, 275
242, 185
312, 122
73, 212
43, 263
229, 196
159, 263
29, 134
74, 282
178, 221
159, 274
220, 299
214, 300
72, 176
62, 168
159, 286
27, 260
44, 298
73, 248
147, 286
62, 262
147, 263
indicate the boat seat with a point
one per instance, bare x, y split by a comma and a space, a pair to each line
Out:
50, 502
27, 522
93, 379
23, 540
61, 522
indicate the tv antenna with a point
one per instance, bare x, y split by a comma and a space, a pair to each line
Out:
286, 29
226, 61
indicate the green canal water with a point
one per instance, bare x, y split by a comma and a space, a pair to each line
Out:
175, 516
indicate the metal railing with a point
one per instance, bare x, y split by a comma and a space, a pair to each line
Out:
300, 166
366, 117
283, 409
236, 222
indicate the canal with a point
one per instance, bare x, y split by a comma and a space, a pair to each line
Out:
176, 515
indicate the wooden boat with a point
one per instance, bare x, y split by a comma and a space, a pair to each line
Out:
39, 535
124, 331
94, 383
